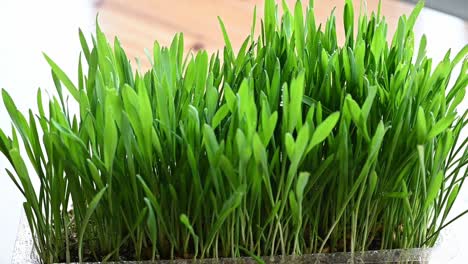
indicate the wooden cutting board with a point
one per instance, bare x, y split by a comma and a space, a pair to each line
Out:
138, 23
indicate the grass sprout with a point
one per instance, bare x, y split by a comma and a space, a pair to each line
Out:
295, 144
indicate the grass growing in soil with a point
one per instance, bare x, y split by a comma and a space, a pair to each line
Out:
292, 145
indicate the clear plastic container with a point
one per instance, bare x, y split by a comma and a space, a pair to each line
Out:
24, 253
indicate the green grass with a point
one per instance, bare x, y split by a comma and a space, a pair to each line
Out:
293, 145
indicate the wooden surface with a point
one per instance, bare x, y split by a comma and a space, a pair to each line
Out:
138, 23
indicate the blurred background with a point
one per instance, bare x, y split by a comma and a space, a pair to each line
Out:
28, 28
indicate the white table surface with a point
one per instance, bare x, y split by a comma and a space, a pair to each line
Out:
28, 28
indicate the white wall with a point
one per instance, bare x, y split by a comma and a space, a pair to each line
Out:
27, 28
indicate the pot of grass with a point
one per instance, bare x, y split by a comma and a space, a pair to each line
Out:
295, 148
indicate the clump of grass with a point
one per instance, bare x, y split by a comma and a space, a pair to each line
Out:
294, 145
